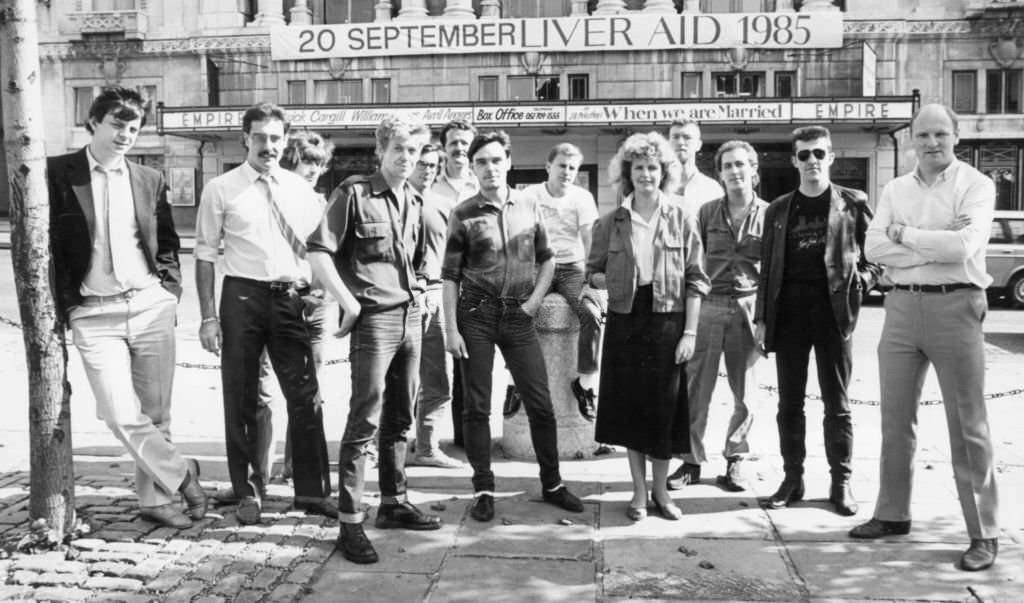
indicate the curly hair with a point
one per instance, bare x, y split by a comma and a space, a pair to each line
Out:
306, 147
644, 146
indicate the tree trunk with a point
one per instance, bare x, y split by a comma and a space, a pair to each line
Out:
52, 495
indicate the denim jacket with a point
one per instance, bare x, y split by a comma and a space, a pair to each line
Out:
850, 274
678, 259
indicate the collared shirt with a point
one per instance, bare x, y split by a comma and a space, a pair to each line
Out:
436, 210
698, 191
234, 210
117, 262
564, 218
455, 191
930, 253
496, 247
374, 239
732, 252
641, 237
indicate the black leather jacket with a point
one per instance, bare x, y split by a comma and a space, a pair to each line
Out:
850, 274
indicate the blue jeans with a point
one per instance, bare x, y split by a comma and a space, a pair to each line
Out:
568, 282
483, 323
435, 374
385, 357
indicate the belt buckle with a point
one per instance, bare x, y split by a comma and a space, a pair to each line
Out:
280, 286
129, 293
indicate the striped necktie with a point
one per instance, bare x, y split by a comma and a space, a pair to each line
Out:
297, 245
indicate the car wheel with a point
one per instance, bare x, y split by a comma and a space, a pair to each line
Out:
1015, 291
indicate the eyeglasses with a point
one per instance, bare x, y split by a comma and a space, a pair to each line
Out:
805, 154
423, 165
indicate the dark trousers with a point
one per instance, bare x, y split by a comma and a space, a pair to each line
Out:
252, 318
568, 282
805, 322
385, 357
483, 323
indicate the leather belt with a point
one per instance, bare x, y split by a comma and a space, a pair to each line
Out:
275, 286
936, 288
95, 300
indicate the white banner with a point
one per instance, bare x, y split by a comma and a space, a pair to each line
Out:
612, 113
559, 34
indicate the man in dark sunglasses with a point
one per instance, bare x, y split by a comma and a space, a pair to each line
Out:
813, 275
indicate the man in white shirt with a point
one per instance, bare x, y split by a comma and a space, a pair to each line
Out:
695, 188
262, 303
569, 211
931, 230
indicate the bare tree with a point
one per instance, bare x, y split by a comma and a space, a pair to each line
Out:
52, 496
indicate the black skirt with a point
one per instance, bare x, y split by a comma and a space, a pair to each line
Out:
642, 403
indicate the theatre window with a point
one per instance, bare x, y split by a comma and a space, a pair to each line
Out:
337, 91
579, 86
533, 87
693, 84
965, 91
738, 84
1003, 90
785, 84
296, 91
1001, 162
380, 90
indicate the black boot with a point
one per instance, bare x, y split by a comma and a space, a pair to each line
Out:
790, 491
841, 496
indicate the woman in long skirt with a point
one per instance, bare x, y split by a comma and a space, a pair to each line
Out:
648, 255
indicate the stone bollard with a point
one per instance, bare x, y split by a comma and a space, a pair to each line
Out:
558, 329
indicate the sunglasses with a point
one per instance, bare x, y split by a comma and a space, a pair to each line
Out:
805, 154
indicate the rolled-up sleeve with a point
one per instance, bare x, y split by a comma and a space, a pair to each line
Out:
454, 250
329, 235
209, 224
697, 282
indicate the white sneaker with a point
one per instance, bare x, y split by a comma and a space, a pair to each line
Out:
437, 459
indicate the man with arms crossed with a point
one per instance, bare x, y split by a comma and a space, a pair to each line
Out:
364, 253
497, 269
931, 233
730, 229
262, 214
813, 276
117, 282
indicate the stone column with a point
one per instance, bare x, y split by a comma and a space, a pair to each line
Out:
558, 328
490, 9
659, 6
301, 14
382, 11
459, 9
579, 7
271, 13
691, 6
413, 9
610, 7
810, 6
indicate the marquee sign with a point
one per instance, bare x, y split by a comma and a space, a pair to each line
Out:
621, 32
893, 110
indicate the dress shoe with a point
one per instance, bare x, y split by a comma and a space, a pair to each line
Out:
192, 491
437, 459
483, 508
354, 545
249, 510
584, 399
980, 555
790, 491
405, 516
841, 496
669, 510
165, 515
687, 473
513, 402
733, 480
325, 507
561, 497
876, 528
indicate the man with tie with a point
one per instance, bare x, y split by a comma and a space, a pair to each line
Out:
262, 215
115, 258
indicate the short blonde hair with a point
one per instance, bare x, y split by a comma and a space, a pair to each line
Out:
393, 126
644, 146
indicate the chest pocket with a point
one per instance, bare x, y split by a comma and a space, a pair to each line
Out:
374, 242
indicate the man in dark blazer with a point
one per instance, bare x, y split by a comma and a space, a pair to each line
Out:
813, 276
117, 282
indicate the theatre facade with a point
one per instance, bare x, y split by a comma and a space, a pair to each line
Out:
546, 71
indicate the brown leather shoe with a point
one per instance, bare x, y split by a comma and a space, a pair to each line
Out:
165, 515
686, 474
876, 528
980, 555
354, 545
192, 491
